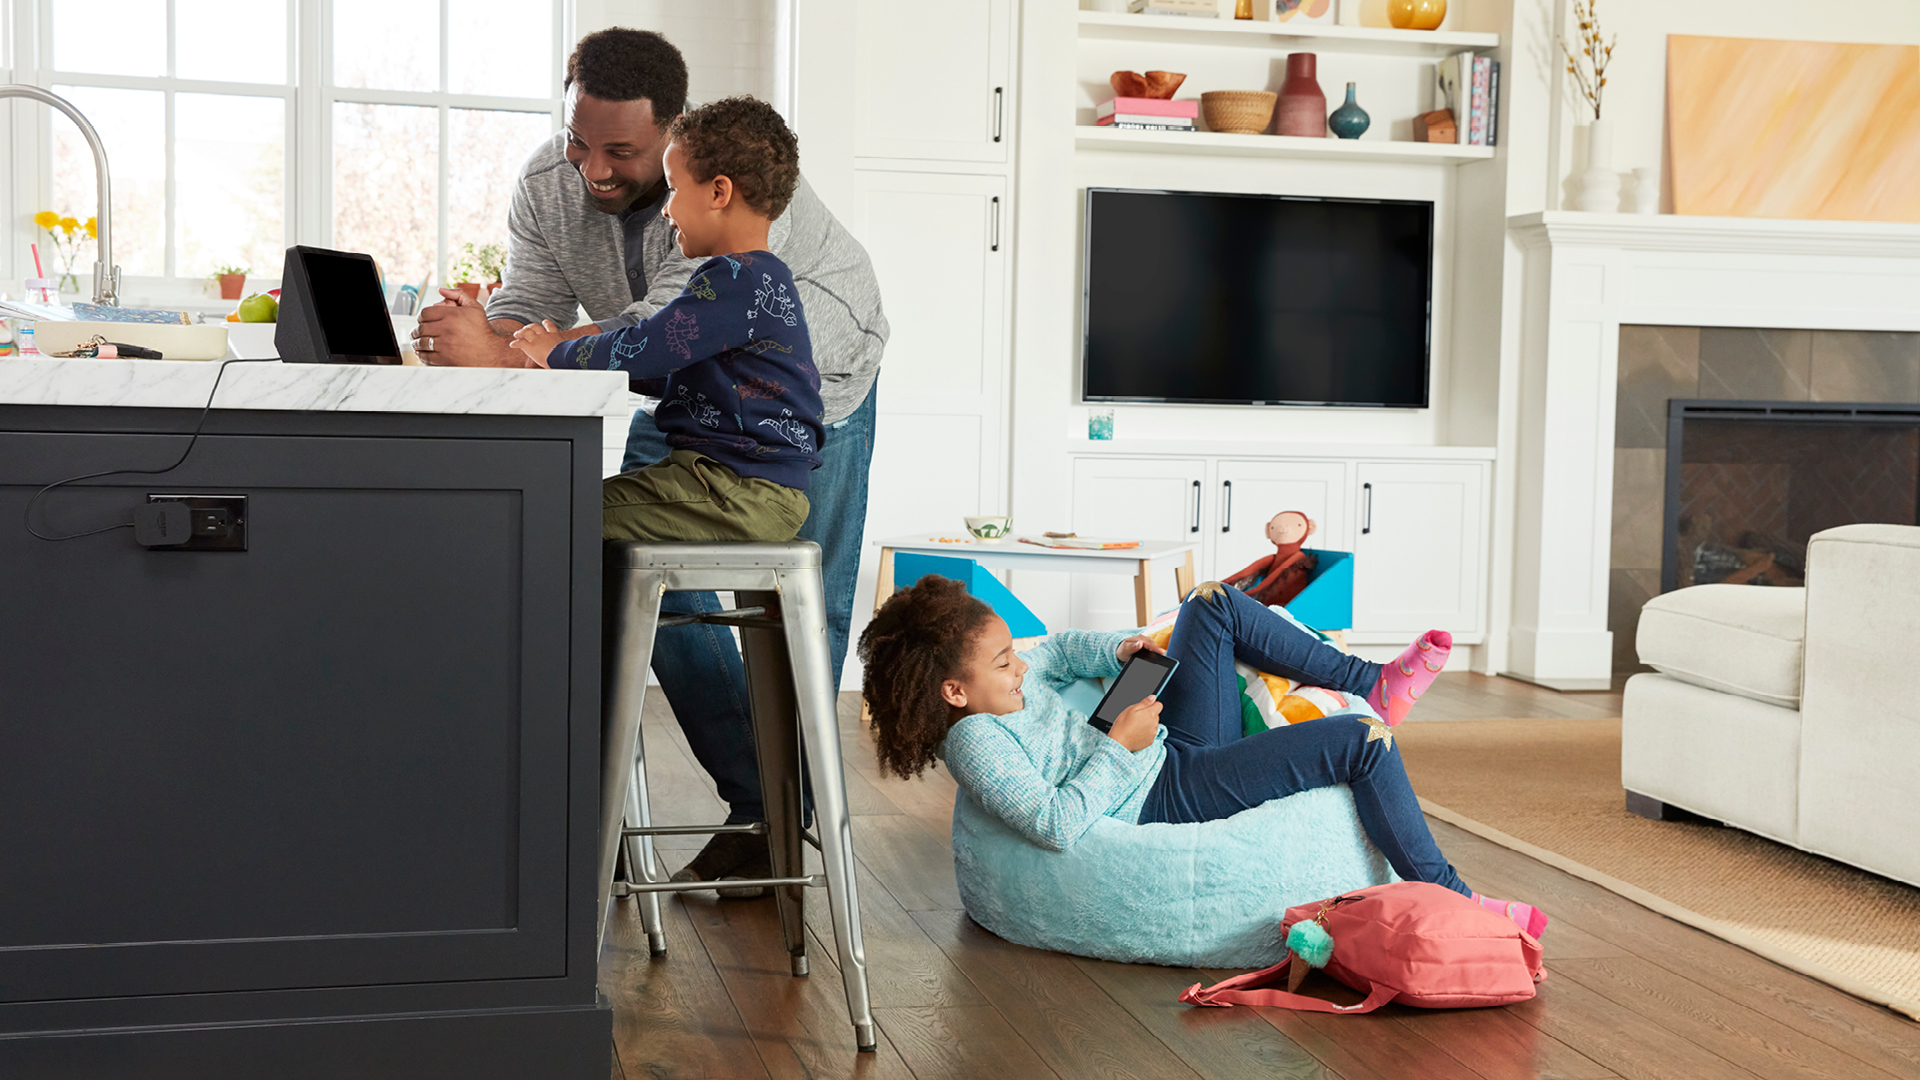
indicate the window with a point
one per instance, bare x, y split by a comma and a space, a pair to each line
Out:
399, 133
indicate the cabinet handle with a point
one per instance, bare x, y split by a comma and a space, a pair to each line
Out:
1367, 523
999, 101
1226, 515
1196, 507
995, 246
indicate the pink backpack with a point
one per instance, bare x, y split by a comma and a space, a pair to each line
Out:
1412, 942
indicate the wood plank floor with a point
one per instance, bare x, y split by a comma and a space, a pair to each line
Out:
1630, 994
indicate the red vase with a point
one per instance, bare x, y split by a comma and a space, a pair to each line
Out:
1303, 108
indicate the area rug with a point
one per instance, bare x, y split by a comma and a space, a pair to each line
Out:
1551, 790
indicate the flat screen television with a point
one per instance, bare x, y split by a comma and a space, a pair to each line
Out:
1214, 299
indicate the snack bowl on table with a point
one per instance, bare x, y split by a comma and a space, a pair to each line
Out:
990, 530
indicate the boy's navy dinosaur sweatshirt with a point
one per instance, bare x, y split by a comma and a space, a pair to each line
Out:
741, 387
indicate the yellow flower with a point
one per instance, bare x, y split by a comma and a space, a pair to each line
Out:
69, 224
46, 219
93, 227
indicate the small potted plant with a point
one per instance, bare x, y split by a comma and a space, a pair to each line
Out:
233, 280
476, 266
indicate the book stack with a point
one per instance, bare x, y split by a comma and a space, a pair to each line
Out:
1471, 87
1192, 9
1147, 114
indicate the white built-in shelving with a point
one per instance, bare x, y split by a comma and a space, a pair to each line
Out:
1212, 142
1269, 34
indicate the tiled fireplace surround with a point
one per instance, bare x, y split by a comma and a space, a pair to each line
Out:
1658, 363
1613, 314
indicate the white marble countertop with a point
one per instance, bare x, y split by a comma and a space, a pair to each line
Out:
270, 384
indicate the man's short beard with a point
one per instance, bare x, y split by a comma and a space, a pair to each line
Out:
614, 206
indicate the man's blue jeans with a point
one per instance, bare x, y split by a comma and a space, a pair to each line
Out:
699, 666
1211, 772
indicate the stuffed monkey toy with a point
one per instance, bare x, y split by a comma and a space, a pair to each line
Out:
1284, 573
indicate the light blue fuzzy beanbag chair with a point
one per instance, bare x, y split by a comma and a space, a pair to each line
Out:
1209, 894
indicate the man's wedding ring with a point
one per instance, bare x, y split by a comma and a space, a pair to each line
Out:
426, 344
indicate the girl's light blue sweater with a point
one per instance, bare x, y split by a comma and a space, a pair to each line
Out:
1044, 770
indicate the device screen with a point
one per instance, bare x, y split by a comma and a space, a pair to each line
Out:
1146, 674
346, 296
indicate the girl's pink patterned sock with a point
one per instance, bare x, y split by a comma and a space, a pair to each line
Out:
1405, 679
1525, 916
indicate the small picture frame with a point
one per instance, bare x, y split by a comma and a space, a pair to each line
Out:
1100, 425
1301, 12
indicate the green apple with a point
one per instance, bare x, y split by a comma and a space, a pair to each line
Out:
259, 307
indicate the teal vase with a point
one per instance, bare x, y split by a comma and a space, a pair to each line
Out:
1349, 121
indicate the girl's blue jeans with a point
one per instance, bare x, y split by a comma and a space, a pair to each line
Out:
1212, 772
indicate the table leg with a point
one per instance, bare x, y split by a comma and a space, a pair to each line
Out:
1143, 593
1183, 577
883, 578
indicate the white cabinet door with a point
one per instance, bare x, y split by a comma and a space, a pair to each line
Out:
1134, 499
1248, 494
932, 79
1417, 562
940, 436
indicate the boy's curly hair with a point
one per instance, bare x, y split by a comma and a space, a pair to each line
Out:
918, 639
746, 141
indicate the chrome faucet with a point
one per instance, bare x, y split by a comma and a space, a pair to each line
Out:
106, 276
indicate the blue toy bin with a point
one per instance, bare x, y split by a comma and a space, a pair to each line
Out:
1327, 601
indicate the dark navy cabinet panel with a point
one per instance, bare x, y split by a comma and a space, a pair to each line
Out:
335, 774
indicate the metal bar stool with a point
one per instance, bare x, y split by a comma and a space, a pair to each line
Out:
783, 636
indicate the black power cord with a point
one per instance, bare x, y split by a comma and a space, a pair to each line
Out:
179, 461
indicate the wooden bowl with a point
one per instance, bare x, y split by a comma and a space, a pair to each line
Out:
1238, 112
1154, 84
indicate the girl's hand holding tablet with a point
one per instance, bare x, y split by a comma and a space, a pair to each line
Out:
1137, 723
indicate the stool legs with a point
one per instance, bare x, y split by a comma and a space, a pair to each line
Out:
631, 615
804, 621
643, 864
776, 745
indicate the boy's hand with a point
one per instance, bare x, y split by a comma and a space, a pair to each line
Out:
1133, 645
537, 340
1136, 727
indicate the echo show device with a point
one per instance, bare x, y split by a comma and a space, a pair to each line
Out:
1144, 676
332, 310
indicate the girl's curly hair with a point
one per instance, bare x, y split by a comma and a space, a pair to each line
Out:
917, 640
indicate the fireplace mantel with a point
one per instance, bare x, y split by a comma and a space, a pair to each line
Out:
1586, 274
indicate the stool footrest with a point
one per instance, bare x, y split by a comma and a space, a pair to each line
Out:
757, 827
628, 888
750, 617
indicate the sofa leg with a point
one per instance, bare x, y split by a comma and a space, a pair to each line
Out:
1653, 809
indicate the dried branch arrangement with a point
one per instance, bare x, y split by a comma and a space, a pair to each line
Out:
1588, 63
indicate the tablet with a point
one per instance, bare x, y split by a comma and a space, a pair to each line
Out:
1145, 675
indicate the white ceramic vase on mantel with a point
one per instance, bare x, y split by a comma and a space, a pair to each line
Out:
1599, 185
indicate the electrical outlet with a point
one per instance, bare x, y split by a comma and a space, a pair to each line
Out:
215, 522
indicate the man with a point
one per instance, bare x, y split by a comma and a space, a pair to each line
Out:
585, 231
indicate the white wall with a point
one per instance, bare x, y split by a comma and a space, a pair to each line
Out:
730, 45
1635, 97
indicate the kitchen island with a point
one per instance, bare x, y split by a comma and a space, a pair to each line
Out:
326, 806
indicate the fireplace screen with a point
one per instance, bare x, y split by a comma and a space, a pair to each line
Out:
1748, 483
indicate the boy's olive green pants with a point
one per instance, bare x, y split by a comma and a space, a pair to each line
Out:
690, 497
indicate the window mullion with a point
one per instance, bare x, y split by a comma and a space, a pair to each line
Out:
170, 200
314, 90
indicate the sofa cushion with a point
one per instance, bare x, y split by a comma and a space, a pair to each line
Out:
1737, 639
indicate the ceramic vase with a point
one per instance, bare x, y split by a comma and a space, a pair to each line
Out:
1599, 185
1349, 121
1416, 14
1303, 108
1646, 190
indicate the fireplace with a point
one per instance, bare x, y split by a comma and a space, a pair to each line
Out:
1749, 482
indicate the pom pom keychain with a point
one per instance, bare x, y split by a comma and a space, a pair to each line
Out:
1310, 944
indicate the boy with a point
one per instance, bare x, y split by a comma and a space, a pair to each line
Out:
729, 357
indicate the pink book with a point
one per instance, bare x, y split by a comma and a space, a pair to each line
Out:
1477, 121
1135, 106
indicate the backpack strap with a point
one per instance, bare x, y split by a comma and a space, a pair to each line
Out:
1220, 994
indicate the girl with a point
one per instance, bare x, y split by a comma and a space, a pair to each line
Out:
942, 681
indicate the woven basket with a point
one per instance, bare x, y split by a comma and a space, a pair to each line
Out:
1238, 112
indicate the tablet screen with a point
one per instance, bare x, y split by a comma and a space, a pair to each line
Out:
1146, 674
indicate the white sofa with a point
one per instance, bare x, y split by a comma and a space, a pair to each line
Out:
1791, 713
